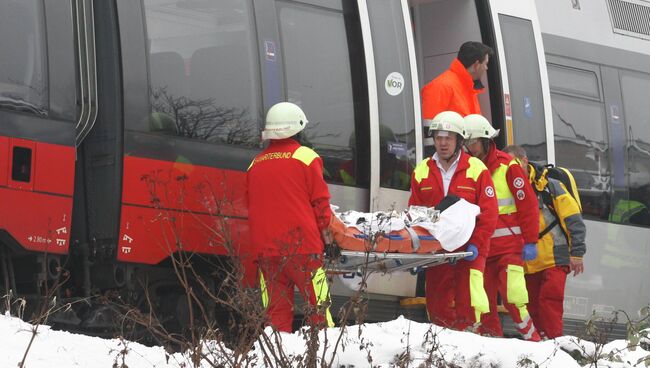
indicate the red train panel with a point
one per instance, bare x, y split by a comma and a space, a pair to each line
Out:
169, 203
36, 195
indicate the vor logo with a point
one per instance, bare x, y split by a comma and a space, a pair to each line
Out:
394, 83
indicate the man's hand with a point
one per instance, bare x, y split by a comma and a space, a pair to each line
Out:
576, 266
530, 252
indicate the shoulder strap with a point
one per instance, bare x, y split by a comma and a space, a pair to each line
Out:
547, 198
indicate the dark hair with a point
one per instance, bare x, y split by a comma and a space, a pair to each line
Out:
471, 52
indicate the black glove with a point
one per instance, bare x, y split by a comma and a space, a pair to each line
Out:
332, 251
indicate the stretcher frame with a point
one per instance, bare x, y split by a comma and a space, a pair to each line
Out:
386, 263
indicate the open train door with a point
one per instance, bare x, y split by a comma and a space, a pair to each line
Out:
522, 64
40, 119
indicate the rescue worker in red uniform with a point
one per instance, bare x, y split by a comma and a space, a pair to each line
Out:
457, 88
515, 237
561, 248
289, 215
454, 293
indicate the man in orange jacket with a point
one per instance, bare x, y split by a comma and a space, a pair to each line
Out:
457, 88
454, 293
515, 237
289, 215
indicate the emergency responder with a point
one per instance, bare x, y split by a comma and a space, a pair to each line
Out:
560, 248
457, 88
289, 215
515, 237
454, 293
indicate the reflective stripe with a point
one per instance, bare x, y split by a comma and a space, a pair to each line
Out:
478, 297
505, 231
506, 202
422, 170
530, 332
523, 324
264, 291
476, 167
516, 292
322, 292
305, 154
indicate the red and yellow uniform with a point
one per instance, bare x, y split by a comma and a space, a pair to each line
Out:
546, 275
452, 90
288, 205
454, 293
518, 224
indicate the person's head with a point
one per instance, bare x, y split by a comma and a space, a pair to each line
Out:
478, 133
448, 133
475, 57
519, 153
284, 120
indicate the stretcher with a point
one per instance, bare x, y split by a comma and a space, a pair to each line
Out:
382, 262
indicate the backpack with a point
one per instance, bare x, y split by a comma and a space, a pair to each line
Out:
565, 177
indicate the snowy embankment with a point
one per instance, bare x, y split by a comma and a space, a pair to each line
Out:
386, 344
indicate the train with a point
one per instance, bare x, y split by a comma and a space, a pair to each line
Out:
126, 127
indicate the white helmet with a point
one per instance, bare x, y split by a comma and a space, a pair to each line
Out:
449, 121
477, 126
284, 120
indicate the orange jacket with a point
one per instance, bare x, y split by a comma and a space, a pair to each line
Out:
472, 182
452, 90
518, 221
288, 200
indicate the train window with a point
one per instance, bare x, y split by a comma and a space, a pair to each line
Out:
203, 70
580, 145
23, 75
395, 94
632, 205
573, 81
525, 85
325, 76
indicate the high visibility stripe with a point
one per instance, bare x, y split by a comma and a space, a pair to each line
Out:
422, 170
478, 297
504, 196
305, 154
516, 292
530, 333
264, 291
322, 292
523, 324
476, 167
347, 178
505, 231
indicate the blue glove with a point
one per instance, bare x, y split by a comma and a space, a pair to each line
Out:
472, 248
530, 252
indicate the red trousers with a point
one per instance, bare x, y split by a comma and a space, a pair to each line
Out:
455, 295
546, 290
279, 276
504, 274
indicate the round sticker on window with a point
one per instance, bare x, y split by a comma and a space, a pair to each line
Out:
394, 84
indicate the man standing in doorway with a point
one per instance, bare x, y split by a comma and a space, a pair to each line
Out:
515, 237
457, 88
454, 293
289, 215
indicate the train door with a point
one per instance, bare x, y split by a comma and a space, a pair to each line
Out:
42, 117
526, 97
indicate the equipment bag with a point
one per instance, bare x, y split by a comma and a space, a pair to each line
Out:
564, 175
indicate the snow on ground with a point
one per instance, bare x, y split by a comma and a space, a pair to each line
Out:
384, 342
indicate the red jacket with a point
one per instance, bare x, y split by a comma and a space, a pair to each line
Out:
518, 207
471, 181
288, 200
452, 90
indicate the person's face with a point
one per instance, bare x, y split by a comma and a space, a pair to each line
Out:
475, 147
445, 143
479, 68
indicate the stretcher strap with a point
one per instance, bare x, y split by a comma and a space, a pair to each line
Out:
415, 239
